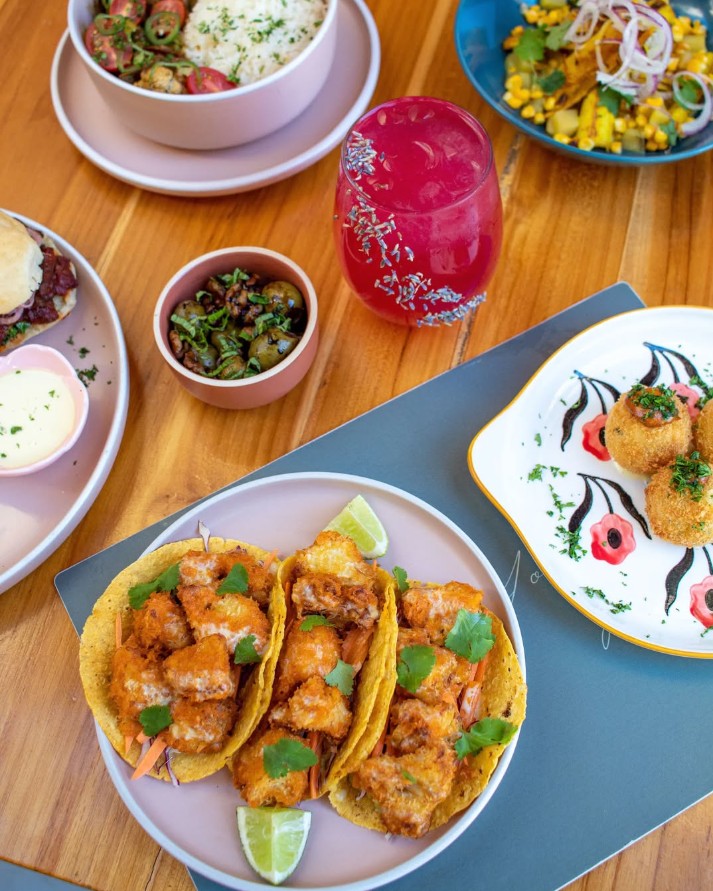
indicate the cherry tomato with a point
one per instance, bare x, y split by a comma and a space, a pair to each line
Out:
208, 80
130, 9
177, 6
102, 48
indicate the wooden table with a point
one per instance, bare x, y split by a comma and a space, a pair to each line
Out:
570, 230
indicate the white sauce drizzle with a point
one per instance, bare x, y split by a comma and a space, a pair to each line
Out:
37, 414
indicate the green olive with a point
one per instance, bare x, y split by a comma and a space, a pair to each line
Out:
189, 309
233, 369
284, 299
272, 347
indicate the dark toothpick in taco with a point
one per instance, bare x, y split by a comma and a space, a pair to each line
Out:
178, 656
458, 699
340, 636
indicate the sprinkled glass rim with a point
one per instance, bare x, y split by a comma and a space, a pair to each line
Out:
463, 113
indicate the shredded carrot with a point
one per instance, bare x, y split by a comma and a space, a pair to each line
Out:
118, 630
141, 737
470, 698
379, 747
315, 743
355, 646
128, 740
150, 758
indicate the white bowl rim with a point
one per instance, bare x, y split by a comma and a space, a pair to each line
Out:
242, 383
187, 98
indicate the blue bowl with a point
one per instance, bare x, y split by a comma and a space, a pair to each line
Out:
480, 28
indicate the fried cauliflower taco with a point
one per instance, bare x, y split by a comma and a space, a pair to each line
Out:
458, 699
178, 656
337, 652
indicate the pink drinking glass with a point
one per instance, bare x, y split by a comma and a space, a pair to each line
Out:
418, 216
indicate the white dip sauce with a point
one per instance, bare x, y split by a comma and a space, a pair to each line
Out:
36, 416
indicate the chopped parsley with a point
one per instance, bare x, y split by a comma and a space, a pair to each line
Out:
689, 474
614, 608
653, 401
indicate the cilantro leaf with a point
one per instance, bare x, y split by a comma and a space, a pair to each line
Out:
286, 756
531, 46
551, 82
414, 666
471, 635
401, 577
155, 718
669, 128
166, 581
310, 622
245, 652
341, 677
556, 36
235, 582
611, 99
486, 732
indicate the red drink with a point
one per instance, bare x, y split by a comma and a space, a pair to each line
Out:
418, 218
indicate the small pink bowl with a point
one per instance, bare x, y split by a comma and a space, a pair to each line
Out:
262, 388
34, 356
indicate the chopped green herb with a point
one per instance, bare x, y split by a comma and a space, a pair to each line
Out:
414, 666
614, 608
531, 46
167, 581
408, 776
245, 652
401, 577
341, 677
286, 756
235, 582
154, 719
689, 475
556, 36
653, 401
486, 732
551, 82
310, 622
471, 635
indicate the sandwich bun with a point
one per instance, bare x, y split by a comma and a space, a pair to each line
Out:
38, 284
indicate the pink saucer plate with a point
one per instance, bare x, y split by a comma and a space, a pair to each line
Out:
103, 140
196, 822
40, 510
35, 356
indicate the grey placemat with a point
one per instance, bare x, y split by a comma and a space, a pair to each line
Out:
612, 745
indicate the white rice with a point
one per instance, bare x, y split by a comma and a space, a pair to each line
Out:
250, 39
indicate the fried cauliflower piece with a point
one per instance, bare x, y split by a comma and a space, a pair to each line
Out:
204, 568
161, 79
704, 433
305, 654
256, 786
435, 609
161, 624
337, 555
315, 706
681, 514
201, 671
200, 726
640, 448
235, 616
408, 787
415, 723
137, 682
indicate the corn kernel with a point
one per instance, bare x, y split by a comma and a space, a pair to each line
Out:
586, 143
528, 111
616, 147
661, 138
550, 103
513, 101
677, 32
620, 125
514, 82
649, 131
680, 115
539, 118
560, 137
641, 120
536, 93
655, 101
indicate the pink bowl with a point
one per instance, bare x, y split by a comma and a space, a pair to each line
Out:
212, 120
267, 386
35, 356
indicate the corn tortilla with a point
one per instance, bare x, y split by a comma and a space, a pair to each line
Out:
98, 643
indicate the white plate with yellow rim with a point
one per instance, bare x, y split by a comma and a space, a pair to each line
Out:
543, 463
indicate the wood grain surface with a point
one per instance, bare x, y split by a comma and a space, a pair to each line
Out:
570, 230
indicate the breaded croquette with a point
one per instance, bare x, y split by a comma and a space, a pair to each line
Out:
679, 502
703, 433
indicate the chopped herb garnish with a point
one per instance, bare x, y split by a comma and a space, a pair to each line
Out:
245, 652
401, 577
341, 677
286, 756
531, 46
486, 732
653, 401
154, 719
310, 622
471, 635
614, 608
414, 666
235, 582
167, 581
689, 475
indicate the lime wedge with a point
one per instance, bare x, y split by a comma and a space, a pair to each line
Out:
359, 522
273, 839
